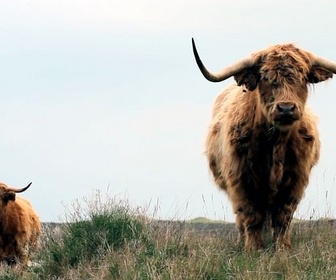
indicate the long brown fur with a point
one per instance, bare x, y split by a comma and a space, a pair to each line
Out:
262, 164
20, 227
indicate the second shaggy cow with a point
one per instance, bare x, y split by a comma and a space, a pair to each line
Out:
20, 226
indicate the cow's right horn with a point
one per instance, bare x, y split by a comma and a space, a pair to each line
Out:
19, 190
226, 72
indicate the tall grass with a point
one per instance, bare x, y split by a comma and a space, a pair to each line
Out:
103, 238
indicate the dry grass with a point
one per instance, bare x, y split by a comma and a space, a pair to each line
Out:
173, 250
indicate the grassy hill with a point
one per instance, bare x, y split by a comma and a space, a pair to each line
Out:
113, 241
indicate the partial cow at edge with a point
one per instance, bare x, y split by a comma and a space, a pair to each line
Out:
263, 140
20, 226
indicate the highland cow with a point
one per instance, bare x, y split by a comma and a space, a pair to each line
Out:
263, 140
20, 226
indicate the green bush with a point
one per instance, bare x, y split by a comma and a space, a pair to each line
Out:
9, 276
107, 227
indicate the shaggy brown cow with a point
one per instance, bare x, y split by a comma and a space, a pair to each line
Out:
263, 140
20, 226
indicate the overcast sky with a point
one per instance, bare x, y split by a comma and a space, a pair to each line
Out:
105, 95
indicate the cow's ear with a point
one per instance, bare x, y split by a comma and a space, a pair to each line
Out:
9, 196
318, 74
249, 77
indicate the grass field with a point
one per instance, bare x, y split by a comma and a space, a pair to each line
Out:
110, 240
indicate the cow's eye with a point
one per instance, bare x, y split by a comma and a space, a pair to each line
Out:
275, 85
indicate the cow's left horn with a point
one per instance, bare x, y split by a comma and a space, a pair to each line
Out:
19, 190
325, 63
226, 72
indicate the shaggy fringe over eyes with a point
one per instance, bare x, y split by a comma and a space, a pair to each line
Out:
282, 63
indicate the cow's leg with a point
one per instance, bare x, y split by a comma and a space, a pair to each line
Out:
282, 215
22, 256
241, 228
250, 222
20, 247
253, 230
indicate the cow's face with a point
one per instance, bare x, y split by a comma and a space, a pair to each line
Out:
6, 194
281, 79
282, 99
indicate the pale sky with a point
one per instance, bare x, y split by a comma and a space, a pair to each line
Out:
105, 95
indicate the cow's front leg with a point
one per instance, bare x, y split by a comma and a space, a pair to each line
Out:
282, 216
241, 228
250, 224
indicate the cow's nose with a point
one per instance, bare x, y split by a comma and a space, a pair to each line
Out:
286, 108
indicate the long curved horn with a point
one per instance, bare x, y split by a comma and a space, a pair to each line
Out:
19, 190
325, 63
226, 72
